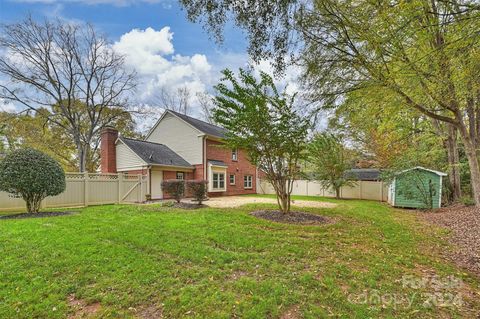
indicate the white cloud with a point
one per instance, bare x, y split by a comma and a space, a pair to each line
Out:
151, 54
147, 43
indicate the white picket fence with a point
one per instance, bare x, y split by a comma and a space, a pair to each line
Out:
361, 190
88, 189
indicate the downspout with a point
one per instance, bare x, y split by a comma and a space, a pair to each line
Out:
149, 179
205, 157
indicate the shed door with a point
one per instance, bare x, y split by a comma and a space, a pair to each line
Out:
157, 178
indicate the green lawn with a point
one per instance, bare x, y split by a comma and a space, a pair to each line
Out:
224, 263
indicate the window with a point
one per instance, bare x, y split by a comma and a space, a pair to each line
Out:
232, 179
181, 175
247, 181
218, 181
235, 155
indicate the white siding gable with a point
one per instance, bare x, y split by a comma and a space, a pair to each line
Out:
127, 159
180, 137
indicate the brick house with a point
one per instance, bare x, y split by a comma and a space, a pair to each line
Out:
180, 147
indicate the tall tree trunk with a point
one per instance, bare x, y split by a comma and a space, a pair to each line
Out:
453, 162
471, 153
82, 154
337, 192
448, 132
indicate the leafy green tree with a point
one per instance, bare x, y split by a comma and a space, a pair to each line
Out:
266, 124
421, 52
36, 130
426, 53
33, 175
330, 161
32, 130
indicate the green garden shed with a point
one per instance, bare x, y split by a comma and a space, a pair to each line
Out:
417, 187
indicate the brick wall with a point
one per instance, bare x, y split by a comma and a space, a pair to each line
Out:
108, 152
239, 168
198, 172
173, 175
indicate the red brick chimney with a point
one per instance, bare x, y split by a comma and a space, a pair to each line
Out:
108, 152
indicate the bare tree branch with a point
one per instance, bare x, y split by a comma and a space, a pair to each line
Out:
71, 70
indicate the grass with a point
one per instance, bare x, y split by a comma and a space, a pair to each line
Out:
224, 263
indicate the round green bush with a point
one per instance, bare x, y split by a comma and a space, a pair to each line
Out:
32, 175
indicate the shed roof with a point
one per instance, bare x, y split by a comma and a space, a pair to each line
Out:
154, 153
425, 169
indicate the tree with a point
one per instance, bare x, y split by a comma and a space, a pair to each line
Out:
69, 70
269, 24
206, 103
424, 52
421, 52
32, 175
266, 124
330, 161
33, 129
178, 100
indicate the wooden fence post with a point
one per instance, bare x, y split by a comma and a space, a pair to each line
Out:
120, 187
86, 179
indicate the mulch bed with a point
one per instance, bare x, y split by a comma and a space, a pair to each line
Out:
35, 215
464, 223
291, 218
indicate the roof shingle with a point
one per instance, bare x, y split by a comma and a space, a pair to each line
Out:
217, 163
207, 128
155, 154
364, 174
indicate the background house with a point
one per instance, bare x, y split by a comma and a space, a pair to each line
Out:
364, 174
180, 147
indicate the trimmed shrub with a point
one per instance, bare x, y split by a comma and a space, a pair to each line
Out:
198, 189
31, 175
174, 188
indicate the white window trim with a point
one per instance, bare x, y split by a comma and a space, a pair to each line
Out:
234, 179
218, 189
251, 182
235, 151
217, 170
183, 175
